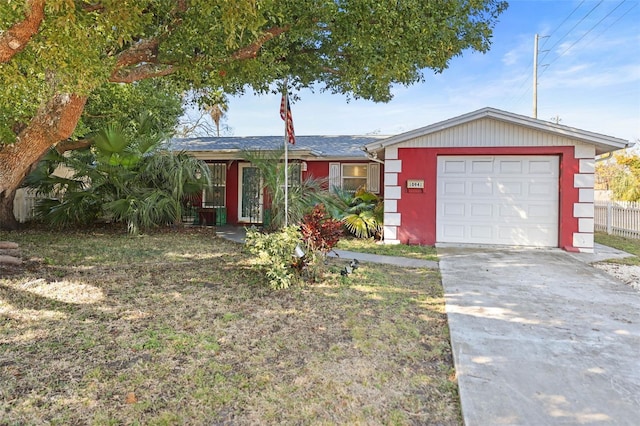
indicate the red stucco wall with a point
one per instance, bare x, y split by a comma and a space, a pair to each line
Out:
418, 208
318, 169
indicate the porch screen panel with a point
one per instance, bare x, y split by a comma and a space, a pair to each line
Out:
251, 190
215, 195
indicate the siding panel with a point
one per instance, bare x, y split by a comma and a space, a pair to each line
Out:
488, 132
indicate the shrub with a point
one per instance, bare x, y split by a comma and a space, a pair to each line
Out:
274, 254
319, 231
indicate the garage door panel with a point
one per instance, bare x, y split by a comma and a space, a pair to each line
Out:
453, 188
482, 166
541, 213
453, 232
510, 167
481, 188
511, 211
480, 232
452, 167
545, 189
507, 233
481, 210
510, 188
454, 209
509, 200
542, 167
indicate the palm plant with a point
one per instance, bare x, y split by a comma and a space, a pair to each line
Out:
122, 178
216, 112
215, 103
362, 213
155, 195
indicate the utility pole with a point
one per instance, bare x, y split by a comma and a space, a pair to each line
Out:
535, 74
535, 77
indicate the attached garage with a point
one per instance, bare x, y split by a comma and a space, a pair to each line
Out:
491, 177
511, 200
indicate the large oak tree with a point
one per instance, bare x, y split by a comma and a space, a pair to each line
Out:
54, 53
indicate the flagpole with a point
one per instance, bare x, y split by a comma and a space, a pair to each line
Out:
286, 164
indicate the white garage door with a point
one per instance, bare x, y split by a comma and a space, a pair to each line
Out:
510, 200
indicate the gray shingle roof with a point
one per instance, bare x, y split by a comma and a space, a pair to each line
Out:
321, 146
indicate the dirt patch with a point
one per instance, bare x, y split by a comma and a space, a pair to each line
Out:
628, 274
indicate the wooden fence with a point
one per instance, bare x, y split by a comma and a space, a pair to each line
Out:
620, 218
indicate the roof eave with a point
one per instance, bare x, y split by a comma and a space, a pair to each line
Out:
603, 143
306, 155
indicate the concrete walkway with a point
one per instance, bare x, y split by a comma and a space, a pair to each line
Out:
541, 338
237, 233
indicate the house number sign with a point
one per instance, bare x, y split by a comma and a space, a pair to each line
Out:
415, 183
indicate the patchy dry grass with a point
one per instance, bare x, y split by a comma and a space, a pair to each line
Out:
369, 245
175, 328
630, 245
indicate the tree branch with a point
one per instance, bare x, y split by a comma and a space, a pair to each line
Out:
251, 51
141, 60
15, 39
69, 145
141, 72
144, 51
93, 7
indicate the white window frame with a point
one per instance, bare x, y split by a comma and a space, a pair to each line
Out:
337, 177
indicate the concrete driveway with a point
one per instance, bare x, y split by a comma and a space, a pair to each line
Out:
541, 338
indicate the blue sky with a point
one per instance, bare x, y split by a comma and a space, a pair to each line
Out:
589, 77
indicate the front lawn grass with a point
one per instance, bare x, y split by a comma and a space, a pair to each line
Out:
630, 245
369, 245
175, 328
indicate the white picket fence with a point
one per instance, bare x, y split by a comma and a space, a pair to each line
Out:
23, 204
620, 218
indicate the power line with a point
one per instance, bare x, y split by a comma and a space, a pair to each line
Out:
616, 21
572, 28
528, 76
584, 35
561, 23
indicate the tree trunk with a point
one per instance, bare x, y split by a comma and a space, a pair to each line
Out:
53, 123
7, 219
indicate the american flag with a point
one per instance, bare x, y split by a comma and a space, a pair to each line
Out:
285, 114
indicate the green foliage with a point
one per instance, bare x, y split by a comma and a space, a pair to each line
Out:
362, 213
627, 187
124, 180
275, 255
359, 47
161, 100
621, 175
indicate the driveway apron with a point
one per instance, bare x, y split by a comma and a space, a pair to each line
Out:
541, 338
